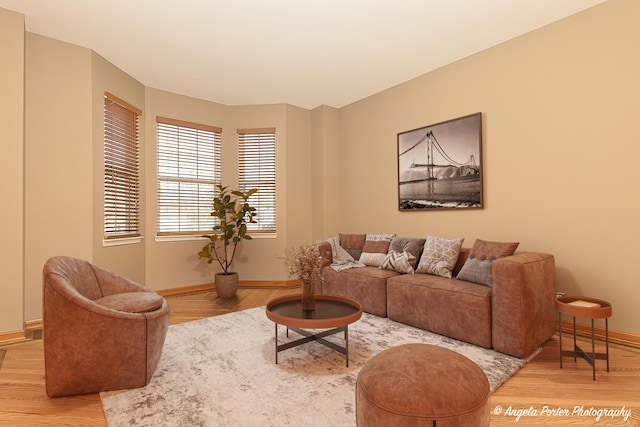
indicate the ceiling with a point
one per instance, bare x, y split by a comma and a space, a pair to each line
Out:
301, 52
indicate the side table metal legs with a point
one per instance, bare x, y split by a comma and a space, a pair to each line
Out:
579, 352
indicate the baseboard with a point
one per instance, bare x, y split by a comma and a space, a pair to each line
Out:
32, 331
615, 337
12, 337
265, 284
242, 284
186, 290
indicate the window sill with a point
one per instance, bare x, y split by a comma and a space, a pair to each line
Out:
186, 238
122, 241
179, 238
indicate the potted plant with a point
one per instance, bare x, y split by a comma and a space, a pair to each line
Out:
305, 263
234, 213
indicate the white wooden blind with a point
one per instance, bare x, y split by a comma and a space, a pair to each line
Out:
121, 169
257, 169
189, 167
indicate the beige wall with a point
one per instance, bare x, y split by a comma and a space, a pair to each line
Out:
58, 190
560, 150
11, 169
325, 146
297, 197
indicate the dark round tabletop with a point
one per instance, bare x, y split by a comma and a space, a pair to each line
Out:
331, 311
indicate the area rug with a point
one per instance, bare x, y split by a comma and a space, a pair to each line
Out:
221, 371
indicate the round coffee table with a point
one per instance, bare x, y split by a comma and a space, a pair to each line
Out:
332, 312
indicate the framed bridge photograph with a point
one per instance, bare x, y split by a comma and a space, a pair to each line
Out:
440, 166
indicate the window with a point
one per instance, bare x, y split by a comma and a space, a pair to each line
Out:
257, 169
188, 169
121, 169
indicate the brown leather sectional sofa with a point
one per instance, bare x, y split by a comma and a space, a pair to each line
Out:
514, 316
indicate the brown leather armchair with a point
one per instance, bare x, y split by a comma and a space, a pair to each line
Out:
102, 331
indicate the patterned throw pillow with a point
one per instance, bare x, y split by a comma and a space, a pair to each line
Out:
477, 270
402, 262
410, 244
439, 256
375, 249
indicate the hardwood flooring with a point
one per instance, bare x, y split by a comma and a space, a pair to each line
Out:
541, 393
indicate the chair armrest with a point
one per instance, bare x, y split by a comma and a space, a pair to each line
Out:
65, 294
523, 302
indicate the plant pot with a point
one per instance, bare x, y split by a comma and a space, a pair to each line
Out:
226, 284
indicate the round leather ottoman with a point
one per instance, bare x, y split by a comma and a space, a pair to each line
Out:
422, 385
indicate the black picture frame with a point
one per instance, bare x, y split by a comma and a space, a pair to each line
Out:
440, 166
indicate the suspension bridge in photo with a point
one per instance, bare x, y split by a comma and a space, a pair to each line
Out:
429, 141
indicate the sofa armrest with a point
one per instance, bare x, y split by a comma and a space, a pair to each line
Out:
523, 302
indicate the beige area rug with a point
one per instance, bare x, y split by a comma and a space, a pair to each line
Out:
220, 371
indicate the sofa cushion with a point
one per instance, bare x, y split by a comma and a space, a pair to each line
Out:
402, 262
375, 249
353, 244
493, 249
450, 307
367, 285
439, 256
411, 245
477, 270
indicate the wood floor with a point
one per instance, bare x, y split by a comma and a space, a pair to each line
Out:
541, 393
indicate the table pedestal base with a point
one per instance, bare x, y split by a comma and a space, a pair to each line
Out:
319, 337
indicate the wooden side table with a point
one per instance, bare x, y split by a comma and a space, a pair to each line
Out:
570, 306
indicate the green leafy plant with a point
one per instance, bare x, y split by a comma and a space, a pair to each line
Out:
234, 213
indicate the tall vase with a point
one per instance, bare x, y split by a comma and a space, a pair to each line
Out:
308, 296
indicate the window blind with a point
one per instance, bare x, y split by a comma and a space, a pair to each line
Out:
121, 169
189, 167
257, 169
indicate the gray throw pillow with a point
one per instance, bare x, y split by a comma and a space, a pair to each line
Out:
477, 270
